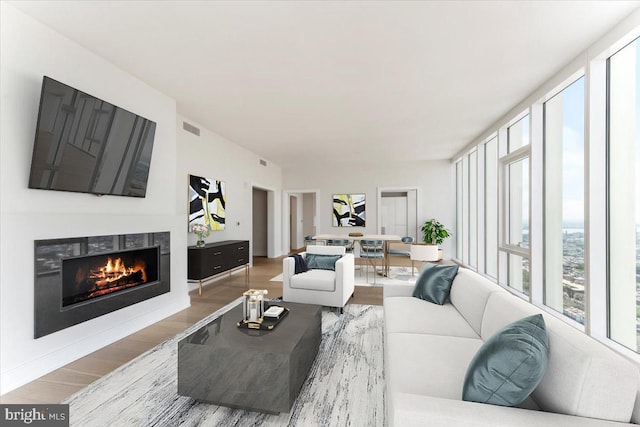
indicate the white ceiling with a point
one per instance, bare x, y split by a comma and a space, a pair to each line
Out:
334, 80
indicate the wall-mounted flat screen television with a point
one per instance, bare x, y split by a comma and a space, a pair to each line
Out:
87, 145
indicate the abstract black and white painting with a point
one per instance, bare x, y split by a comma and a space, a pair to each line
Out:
207, 199
348, 210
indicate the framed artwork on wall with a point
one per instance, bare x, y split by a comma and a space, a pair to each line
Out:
348, 210
207, 200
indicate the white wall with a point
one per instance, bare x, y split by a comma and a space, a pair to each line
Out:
28, 51
212, 156
432, 178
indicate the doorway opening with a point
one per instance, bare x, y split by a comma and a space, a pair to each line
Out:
398, 212
260, 241
301, 211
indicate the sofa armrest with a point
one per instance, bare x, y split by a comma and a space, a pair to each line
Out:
289, 269
416, 410
345, 275
398, 290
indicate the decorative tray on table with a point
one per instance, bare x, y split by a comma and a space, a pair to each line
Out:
270, 319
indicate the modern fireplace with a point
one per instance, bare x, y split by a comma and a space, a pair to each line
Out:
78, 279
87, 277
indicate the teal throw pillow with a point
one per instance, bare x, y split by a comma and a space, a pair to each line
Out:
434, 283
509, 365
321, 262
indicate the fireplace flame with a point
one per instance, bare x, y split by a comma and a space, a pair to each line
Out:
115, 270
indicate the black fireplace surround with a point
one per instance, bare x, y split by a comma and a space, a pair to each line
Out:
78, 279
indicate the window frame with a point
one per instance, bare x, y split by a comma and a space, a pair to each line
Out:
520, 154
472, 183
496, 221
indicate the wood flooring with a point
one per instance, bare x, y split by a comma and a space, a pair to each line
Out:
62, 383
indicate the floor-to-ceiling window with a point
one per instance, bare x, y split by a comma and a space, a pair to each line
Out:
564, 171
624, 195
473, 209
557, 197
514, 247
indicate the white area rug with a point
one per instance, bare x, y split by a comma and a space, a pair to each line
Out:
345, 386
396, 274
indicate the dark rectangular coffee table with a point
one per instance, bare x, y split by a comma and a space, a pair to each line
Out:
249, 369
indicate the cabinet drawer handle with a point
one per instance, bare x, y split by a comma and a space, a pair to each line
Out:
241, 248
241, 260
217, 253
217, 267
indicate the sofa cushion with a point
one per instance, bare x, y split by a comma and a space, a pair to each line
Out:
501, 309
586, 378
434, 283
469, 294
317, 280
413, 315
509, 365
583, 377
413, 410
432, 365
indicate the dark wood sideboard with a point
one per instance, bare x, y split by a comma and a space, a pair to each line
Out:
206, 263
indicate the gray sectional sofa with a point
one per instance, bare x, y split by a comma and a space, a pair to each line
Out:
428, 348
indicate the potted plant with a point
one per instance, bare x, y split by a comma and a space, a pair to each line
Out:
434, 234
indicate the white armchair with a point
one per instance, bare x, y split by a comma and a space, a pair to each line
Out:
322, 287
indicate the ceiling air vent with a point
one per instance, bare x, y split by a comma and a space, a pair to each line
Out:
190, 128
263, 162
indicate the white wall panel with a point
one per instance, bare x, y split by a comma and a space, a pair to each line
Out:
28, 51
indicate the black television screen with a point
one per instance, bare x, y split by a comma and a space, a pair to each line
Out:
87, 145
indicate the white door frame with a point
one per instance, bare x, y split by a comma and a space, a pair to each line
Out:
293, 221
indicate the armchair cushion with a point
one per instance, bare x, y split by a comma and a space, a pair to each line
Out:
322, 262
317, 280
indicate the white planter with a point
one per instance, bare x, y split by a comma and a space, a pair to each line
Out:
422, 252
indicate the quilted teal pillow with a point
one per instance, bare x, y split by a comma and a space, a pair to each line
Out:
509, 365
434, 283
322, 262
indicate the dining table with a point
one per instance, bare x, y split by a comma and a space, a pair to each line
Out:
385, 238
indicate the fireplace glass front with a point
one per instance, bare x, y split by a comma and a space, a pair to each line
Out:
87, 277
